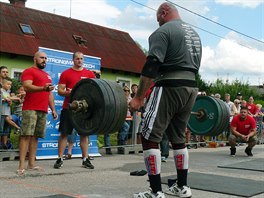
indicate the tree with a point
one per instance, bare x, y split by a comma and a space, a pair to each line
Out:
233, 88
202, 86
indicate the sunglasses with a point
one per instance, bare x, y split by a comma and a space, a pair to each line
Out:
127, 90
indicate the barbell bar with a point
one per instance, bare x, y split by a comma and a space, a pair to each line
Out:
99, 106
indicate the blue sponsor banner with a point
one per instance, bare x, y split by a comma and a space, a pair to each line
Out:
58, 61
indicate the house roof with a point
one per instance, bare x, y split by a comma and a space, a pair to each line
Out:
116, 49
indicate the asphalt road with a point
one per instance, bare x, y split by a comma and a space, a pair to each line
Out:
111, 178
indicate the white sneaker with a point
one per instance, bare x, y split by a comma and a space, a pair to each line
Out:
149, 194
184, 191
163, 159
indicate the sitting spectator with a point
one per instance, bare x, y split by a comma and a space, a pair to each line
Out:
243, 129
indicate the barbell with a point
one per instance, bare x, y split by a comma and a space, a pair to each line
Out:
99, 106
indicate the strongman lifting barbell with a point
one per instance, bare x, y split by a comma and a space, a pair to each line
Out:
99, 106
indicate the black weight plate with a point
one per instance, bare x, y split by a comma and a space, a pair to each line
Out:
120, 106
224, 113
109, 107
88, 123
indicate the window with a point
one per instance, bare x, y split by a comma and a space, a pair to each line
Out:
123, 81
16, 74
26, 29
79, 40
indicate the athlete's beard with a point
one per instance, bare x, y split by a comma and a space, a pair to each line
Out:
40, 66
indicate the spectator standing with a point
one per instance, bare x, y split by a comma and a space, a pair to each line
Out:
38, 86
243, 103
71, 139
232, 110
174, 58
122, 136
258, 115
237, 107
3, 73
243, 129
252, 109
239, 96
164, 148
107, 144
134, 88
218, 96
67, 81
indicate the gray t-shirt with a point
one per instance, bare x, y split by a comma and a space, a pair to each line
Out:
177, 46
6, 110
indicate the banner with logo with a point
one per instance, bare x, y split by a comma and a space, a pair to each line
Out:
58, 61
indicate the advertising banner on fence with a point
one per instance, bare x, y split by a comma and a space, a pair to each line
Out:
58, 61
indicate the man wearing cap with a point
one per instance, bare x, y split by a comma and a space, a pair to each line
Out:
239, 96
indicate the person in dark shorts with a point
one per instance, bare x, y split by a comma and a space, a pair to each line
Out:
174, 59
67, 81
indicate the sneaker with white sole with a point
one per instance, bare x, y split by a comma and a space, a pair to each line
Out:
58, 164
149, 194
184, 191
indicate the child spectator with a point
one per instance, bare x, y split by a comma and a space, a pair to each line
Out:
258, 115
17, 113
6, 110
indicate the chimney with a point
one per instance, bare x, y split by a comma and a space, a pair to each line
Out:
20, 3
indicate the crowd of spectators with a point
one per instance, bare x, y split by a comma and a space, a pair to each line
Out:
234, 107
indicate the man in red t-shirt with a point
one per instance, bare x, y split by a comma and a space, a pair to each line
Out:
67, 81
243, 128
38, 87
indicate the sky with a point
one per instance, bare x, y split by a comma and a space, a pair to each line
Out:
232, 31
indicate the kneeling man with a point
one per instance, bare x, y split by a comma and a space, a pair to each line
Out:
243, 129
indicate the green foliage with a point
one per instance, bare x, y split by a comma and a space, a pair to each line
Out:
233, 88
201, 84
221, 87
15, 84
259, 102
14, 139
113, 140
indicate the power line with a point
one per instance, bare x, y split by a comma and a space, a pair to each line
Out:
143, 5
215, 22
196, 26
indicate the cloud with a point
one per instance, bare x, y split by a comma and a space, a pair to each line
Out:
140, 21
231, 61
241, 3
92, 11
